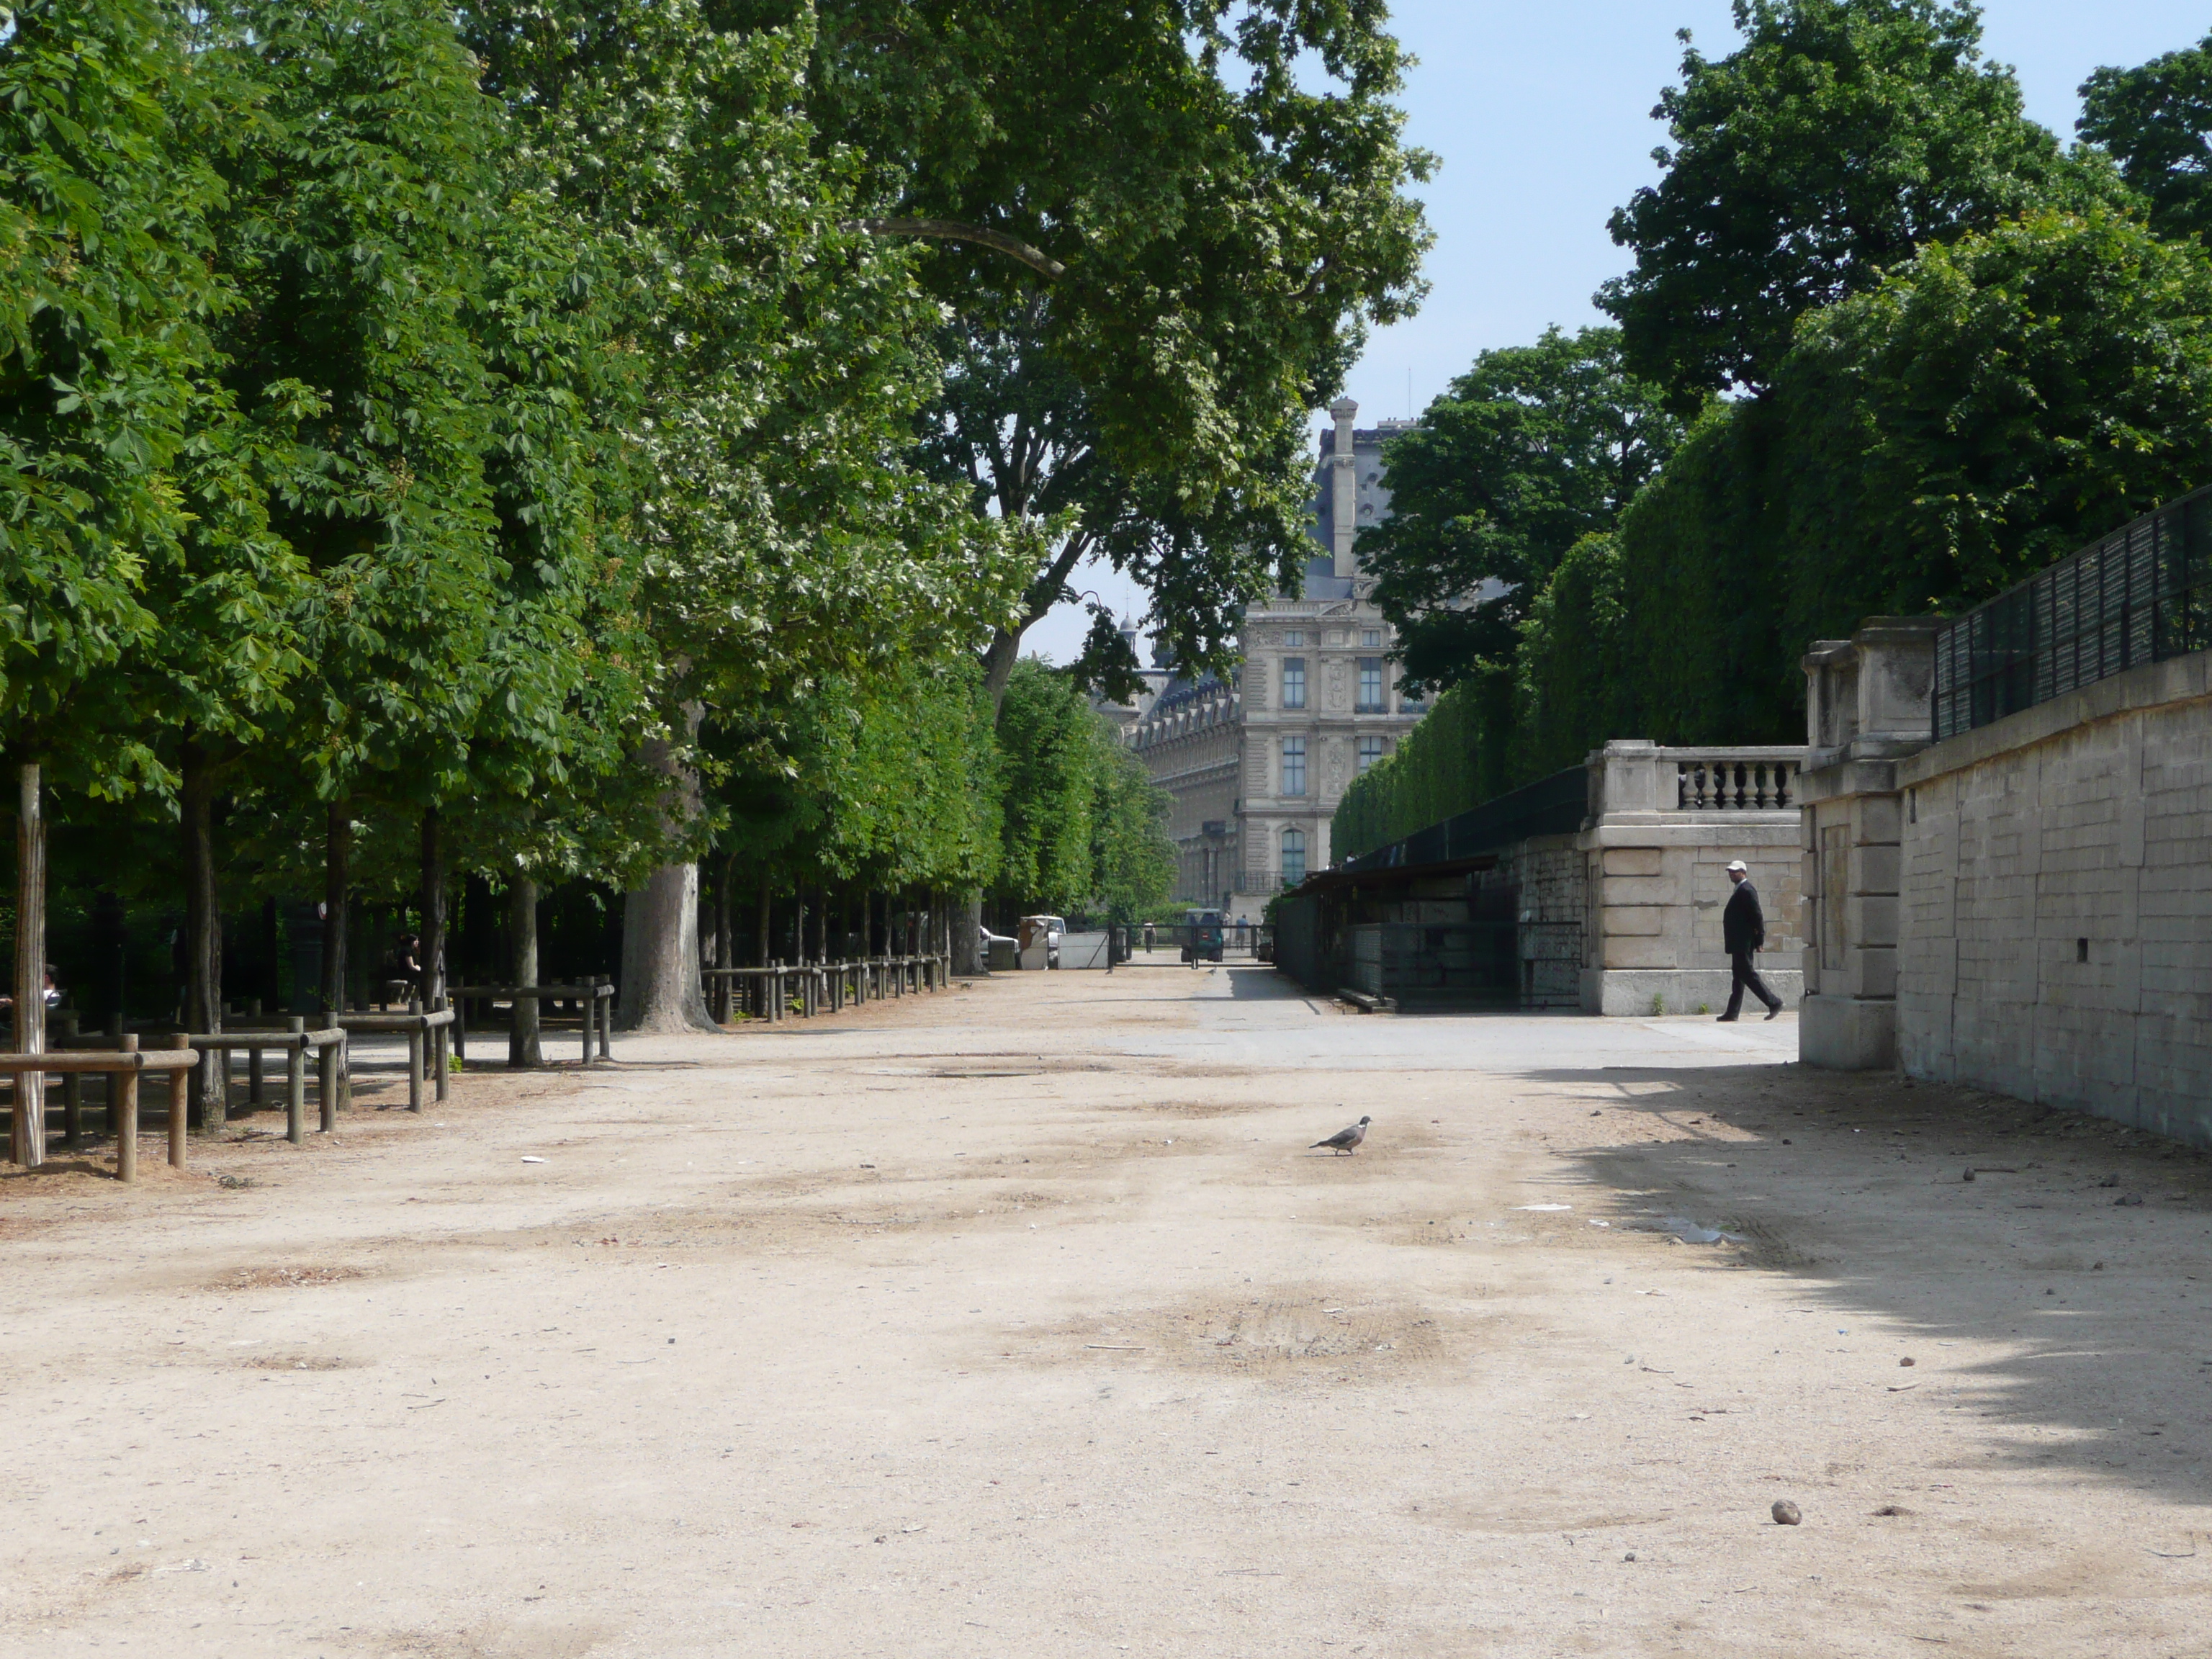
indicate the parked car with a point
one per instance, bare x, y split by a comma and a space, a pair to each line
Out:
1041, 938
1000, 952
1203, 928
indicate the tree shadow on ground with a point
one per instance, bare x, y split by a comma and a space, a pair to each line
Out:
2082, 1246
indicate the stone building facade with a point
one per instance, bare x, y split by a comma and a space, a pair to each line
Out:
1256, 765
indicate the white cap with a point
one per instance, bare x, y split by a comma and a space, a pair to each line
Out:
1738, 864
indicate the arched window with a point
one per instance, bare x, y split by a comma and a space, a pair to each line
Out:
1294, 857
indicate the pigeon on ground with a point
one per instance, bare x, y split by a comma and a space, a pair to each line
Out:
1345, 1140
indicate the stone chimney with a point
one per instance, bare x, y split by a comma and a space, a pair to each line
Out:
1344, 488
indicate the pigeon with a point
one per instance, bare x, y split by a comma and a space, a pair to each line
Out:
1345, 1140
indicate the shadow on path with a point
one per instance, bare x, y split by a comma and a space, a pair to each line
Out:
2082, 1246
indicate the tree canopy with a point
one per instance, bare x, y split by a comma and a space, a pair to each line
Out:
2155, 121
1529, 451
1837, 139
1148, 284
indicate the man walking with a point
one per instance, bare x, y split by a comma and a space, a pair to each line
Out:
1743, 930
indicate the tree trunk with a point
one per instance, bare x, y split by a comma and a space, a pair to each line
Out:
203, 935
270, 976
434, 909
661, 990
338, 883
660, 986
522, 1044
767, 937
28, 1141
966, 921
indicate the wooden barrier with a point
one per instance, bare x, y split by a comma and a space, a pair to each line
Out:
425, 1033
125, 1065
820, 986
332, 1069
596, 994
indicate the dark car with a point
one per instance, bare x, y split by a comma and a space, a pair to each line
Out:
1204, 940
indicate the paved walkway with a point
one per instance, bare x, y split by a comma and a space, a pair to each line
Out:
1019, 1320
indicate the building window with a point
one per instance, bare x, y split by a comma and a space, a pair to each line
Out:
1294, 765
1370, 686
1370, 750
1294, 682
1370, 636
1295, 637
1294, 857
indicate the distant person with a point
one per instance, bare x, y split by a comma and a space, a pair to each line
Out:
1148, 936
52, 996
1743, 933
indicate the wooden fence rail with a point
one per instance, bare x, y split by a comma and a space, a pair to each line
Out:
596, 995
823, 987
333, 1068
124, 1066
427, 1034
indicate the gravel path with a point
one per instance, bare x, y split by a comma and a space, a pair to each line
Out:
1018, 1319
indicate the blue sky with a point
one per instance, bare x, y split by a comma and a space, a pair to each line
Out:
1540, 117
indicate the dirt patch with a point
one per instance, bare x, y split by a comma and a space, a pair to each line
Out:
285, 1278
298, 1362
1194, 1109
1275, 1337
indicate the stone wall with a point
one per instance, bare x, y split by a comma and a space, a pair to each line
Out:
1548, 877
2054, 937
1661, 837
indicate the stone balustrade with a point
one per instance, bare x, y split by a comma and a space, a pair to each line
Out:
1734, 780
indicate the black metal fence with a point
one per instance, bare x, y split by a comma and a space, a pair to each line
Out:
2140, 595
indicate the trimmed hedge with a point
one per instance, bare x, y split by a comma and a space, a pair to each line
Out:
1989, 407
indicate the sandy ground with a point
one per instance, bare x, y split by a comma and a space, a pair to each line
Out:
1019, 1320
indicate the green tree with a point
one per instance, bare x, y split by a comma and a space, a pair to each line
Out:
1572, 689
1048, 749
777, 531
1529, 451
1161, 230
2154, 120
1987, 409
104, 239
1132, 859
359, 206
1840, 136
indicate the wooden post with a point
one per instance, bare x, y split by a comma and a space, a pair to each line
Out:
296, 1083
123, 1112
588, 1006
607, 1017
326, 1084
72, 1086
415, 1047
180, 1094
441, 1049
28, 1139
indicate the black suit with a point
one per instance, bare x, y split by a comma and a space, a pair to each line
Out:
1743, 929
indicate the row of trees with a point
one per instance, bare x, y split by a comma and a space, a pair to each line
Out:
561, 442
1886, 347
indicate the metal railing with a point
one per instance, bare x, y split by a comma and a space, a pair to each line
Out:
2140, 595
